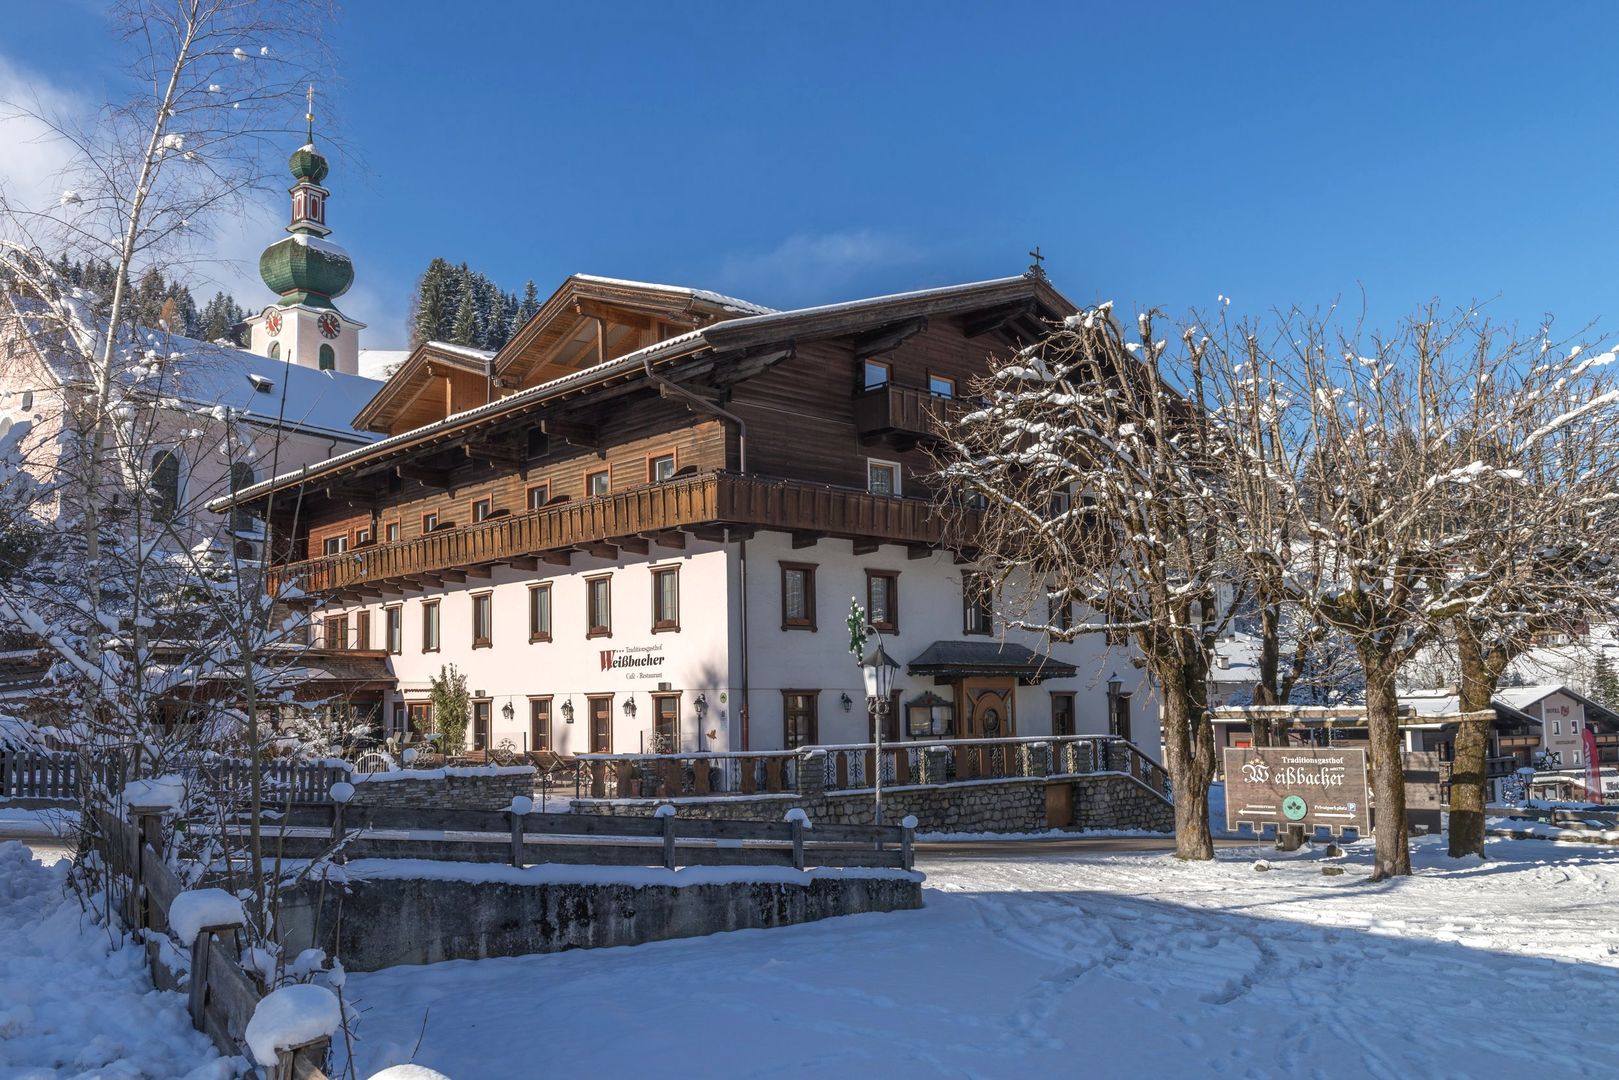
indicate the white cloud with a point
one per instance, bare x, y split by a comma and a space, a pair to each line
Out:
812, 267
225, 257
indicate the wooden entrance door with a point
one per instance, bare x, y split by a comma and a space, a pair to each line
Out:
987, 709
601, 725
666, 724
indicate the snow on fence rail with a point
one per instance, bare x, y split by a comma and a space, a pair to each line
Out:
221, 995
669, 841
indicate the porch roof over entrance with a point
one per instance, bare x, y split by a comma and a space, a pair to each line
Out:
957, 659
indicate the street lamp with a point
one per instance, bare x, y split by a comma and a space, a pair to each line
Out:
878, 668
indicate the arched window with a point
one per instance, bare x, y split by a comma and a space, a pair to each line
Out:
241, 476
275, 350
328, 358
165, 485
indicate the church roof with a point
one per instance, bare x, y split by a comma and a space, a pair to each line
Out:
203, 374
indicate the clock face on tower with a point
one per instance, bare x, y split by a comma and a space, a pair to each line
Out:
272, 321
329, 325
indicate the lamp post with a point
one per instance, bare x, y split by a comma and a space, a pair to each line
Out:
878, 668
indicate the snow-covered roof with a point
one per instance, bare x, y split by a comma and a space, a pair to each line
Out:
204, 374
381, 363
461, 350
705, 295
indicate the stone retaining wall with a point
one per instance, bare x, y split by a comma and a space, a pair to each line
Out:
475, 788
1100, 801
386, 922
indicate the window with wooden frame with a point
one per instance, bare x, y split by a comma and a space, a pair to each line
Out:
1062, 713
429, 522
429, 626
798, 718
538, 495
1060, 610
797, 596
977, 617
335, 631
394, 627
882, 477
362, 536
392, 532
539, 723
335, 545
660, 467
539, 612
362, 629
882, 600
665, 723
665, 598
483, 618
599, 481
599, 606
482, 508
600, 711
941, 385
875, 373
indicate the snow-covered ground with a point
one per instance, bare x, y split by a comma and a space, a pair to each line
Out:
75, 1003
1127, 965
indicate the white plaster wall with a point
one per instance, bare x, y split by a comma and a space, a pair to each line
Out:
1569, 716
570, 665
930, 609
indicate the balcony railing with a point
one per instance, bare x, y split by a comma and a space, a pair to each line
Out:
706, 499
892, 409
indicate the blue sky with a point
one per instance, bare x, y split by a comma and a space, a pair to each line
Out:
1158, 153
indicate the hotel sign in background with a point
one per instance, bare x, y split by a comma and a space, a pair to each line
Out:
1312, 787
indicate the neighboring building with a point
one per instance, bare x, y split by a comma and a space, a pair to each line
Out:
639, 525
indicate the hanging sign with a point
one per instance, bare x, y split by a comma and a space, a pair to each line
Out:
1308, 786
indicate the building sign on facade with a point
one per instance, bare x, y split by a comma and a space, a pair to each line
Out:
1311, 787
634, 662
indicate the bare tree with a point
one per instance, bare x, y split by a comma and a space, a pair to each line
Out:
1097, 466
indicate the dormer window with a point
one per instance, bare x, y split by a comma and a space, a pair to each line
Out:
261, 384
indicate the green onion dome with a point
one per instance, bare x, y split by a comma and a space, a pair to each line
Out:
307, 163
305, 269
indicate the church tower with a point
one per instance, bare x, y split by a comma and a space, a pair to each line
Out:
308, 272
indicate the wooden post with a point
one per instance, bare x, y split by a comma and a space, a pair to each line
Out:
669, 842
337, 822
798, 845
517, 837
196, 996
905, 842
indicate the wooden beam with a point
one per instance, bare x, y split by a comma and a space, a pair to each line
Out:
572, 432
523, 562
601, 550
452, 575
595, 309
672, 538
478, 571
365, 494
562, 557
633, 544
880, 341
866, 547
498, 452
995, 318
424, 474
918, 551
806, 539
717, 535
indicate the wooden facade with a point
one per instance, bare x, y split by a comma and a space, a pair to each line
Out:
579, 460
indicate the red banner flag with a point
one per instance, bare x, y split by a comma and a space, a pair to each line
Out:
1593, 768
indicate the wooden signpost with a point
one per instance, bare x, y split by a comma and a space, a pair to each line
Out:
1297, 787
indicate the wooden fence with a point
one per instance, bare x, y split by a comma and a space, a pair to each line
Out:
56, 776
221, 995
529, 839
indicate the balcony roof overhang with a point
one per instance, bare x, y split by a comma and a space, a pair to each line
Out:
947, 661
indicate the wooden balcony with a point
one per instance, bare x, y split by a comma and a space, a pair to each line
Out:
903, 415
661, 514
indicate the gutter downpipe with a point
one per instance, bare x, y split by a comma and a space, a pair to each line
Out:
667, 389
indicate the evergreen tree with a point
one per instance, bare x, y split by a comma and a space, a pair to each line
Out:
219, 316
465, 329
1605, 683
530, 305
431, 311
